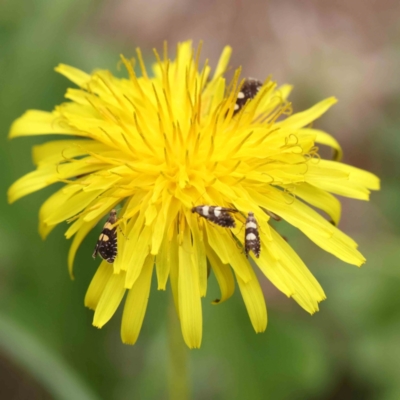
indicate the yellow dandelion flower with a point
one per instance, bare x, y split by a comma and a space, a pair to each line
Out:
199, 167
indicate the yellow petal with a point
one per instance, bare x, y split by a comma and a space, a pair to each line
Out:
133, 229
174, 271
159, 227
55, 201
254, 301
269, 264
284, 91
78, 238
223, 274
35, 122
313, 225
320, 199
223, 62
342, 188
101, 206
59, 150
303, 282
31, 182
49, 174
76, 203
326, 139
339, 249
167, 255
356, 175
97, 285
140, 250
75, 75
165, 217
136, 304
301, 119
110, 299
199, 253
189, 295
226, 249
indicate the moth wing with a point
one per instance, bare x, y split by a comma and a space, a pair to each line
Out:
224, 219
96, 249
108, 249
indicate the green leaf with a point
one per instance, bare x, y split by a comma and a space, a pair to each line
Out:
42, 363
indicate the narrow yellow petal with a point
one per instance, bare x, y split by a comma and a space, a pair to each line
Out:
253, 298
76, 242
136, 304
159, 229
313, 225
339, 249
344, 188
269, 264
355, 175
121, 241
301, 119
140, 250
101, 205
165, 217
199, 253
97, 285
110, 299
326, 139
284, 91
174, 272
163, 261
75, 75
189, 295
133, 229
59, 150
76, 203
47, 175
213, 95
228, 251
287, 272
294, 266
320, 199
213, 239
223, 275
55, 201
223, 62
30, 183
35, 122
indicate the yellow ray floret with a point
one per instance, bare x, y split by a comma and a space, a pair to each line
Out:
170, 138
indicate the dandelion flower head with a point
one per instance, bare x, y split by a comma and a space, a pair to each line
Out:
159, 144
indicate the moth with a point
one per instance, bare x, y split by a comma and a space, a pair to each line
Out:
248, 91
219, 215
107, 244
252, 236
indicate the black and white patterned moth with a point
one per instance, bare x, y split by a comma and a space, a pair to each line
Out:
219, 215
248, 91
252, 236
107, 244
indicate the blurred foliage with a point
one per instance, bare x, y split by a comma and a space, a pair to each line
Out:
49, 349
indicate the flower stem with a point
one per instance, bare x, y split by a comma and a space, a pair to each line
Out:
178, 374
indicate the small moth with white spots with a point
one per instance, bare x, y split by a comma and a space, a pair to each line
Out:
219, 215
248, 91
252, 237
107, 244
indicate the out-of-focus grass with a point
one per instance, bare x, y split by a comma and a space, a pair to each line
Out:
348, 349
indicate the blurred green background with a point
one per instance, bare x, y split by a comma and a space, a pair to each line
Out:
350, 349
